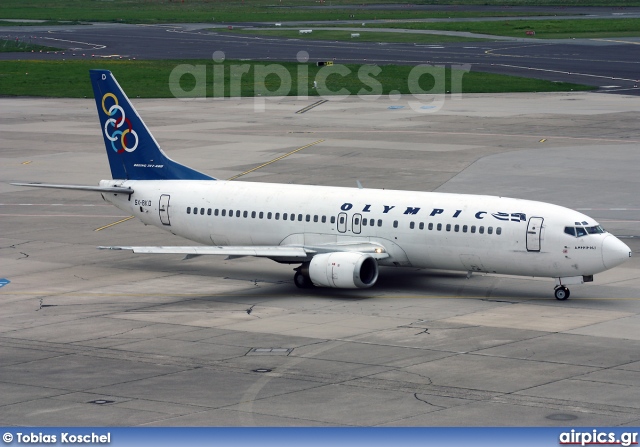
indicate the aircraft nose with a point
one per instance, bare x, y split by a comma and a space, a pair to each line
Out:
614, 251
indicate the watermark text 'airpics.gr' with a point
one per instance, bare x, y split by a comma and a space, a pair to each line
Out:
423, 87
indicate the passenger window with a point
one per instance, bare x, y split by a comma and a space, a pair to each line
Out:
224, 213
464, 228
481, 230
324, 219
421, 226
372, 222
284, 216
580, 232
261, 215
245, 214
499, 231
490, 230
412, 225
379, 222
195, 210
209, 212
315, 218
299, 217
333, 219
395, 224
293, 217
238, 213
439, 227
448, 227
188, 210
364, 222
473, 228
456, 228
230, 213
430, 226
269, 215
277, 216
308, 218
202, 211
216, 212
253, 214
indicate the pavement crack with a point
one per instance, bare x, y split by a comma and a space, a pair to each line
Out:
427, 402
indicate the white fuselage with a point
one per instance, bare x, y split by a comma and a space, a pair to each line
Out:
418, 229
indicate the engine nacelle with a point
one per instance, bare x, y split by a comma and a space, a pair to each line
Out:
343, 270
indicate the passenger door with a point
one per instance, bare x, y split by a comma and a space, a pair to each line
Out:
534, 233
163, 209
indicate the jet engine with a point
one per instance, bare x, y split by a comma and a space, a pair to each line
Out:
343, 270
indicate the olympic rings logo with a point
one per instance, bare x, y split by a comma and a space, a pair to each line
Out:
114, 130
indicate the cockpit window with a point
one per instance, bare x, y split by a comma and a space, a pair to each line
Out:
595, 230
583, 231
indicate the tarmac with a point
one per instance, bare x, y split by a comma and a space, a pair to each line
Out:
89, 337
611, 63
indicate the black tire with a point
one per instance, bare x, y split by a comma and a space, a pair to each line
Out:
301, 281
562, 293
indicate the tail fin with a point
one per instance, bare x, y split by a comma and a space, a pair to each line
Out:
133, 152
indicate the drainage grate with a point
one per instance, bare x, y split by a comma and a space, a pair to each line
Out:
270, 351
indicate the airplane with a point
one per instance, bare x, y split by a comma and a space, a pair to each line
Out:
339, 236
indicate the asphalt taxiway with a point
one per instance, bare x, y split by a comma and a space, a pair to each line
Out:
90, 337
610, 63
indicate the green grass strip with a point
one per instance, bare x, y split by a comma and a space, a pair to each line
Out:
546, 29
150, 79
18, 46
211, 11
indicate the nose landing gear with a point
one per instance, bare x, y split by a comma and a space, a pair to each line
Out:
561, 293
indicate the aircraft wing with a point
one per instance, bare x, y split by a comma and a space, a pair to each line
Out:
259, 251
293, 252
116, 189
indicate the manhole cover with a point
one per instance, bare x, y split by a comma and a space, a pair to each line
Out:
101, 402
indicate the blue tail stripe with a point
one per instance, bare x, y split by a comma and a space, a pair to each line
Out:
132, 151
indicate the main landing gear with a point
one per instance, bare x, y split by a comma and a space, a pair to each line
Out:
561, 293
302, 280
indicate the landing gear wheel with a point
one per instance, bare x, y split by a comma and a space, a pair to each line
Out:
301, 281
562, 293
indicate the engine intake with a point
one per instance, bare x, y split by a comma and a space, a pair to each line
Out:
343, 270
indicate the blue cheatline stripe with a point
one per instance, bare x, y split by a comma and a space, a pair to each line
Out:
4, 282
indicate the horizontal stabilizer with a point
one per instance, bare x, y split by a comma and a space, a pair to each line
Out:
116, 189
